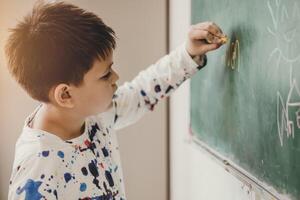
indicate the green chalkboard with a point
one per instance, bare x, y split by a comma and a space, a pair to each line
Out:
250, 113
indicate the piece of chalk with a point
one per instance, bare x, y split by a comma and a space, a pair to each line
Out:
224, 39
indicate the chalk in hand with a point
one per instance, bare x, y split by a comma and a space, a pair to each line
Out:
217, 39
224, 39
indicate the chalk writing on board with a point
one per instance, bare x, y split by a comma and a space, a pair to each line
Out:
232, 55
288, 110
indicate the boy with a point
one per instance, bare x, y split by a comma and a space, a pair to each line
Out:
62, 56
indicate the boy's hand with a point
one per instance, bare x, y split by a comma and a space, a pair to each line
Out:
204, 37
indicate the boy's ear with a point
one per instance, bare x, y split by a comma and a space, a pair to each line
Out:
63, 97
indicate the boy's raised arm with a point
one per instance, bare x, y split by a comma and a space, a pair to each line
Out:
135, 98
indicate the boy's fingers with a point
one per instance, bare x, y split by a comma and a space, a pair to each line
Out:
211, 27
214, 29
210, 47
200, 34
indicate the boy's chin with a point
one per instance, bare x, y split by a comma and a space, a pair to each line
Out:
109, 106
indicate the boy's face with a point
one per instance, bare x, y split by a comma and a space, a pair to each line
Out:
99, 85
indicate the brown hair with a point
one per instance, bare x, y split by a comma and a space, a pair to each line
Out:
56, 43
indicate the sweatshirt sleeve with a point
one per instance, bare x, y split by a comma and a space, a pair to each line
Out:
30, 179
135, 98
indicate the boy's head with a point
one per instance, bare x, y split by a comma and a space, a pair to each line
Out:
59, 53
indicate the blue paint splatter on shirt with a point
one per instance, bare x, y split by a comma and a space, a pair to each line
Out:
67, 177
45, 153
31, 189
109, 178
84, 171
61, 154
105, 152
143, 93
82, 187
157, 88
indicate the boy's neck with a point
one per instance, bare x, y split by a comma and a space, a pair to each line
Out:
58, 122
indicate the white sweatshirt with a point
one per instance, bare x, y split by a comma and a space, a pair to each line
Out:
88, 167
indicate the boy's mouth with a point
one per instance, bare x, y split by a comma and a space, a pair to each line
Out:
115, 86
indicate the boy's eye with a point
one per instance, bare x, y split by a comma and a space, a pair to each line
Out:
106, 76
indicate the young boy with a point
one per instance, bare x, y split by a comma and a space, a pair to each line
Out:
62, 56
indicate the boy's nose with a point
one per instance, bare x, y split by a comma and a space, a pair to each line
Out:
116, 76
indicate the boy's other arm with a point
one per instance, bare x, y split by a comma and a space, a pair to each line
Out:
134, 99
30, 180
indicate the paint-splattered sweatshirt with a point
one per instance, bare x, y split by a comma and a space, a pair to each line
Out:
88, 167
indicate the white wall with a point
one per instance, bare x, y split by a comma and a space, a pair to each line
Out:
195, 175
141, 28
